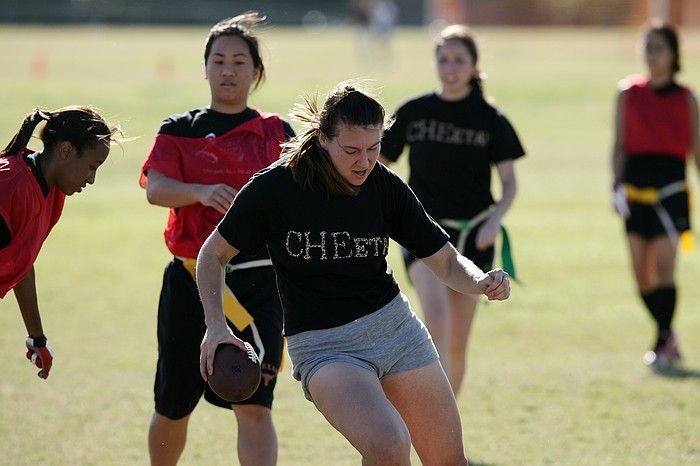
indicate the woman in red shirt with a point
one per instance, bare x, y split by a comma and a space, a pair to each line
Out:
656, 128
199, 161
33, 186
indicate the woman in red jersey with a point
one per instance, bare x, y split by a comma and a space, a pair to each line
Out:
656, 128
199, 161
33, 186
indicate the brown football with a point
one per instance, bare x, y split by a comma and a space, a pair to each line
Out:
236, 372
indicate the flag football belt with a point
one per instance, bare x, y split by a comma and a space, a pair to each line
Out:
233, 309
465, 227
653, 197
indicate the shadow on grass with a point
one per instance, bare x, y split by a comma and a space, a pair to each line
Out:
477, 463
673, 372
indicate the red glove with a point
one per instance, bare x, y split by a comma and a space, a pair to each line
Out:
40, 354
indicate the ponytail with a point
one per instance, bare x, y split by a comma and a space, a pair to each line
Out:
80, 125
21, 139
307, 160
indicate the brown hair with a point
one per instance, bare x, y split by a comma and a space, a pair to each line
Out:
80, 125
308, 161
463, 34
240, 26
670, 35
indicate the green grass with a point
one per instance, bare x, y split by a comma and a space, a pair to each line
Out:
555, 375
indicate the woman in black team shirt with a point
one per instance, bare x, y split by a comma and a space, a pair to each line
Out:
455, 137
326, 212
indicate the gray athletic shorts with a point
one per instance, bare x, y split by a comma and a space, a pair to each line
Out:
388, 341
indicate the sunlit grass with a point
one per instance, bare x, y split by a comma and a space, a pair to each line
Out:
555, 375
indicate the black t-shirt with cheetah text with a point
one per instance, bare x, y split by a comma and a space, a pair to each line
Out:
452, 146
329, 251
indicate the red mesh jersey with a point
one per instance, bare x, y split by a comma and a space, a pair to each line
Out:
28, 214
231, 159
656, 122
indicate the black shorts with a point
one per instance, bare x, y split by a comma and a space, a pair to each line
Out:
645, 222
483, 259
178, 382
656, 171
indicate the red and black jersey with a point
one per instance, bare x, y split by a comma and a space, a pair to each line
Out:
209, 147
29, 212
656, 120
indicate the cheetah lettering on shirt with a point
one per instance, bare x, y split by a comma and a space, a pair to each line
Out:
334, 245
445, 132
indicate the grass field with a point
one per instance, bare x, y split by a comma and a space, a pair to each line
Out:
555, 374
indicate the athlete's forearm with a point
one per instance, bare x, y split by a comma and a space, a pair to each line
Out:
463, 275
618, 152
212, 259
618, 163
695, 131
167, 192
455, 270
210, 282
25, 293
509, 190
